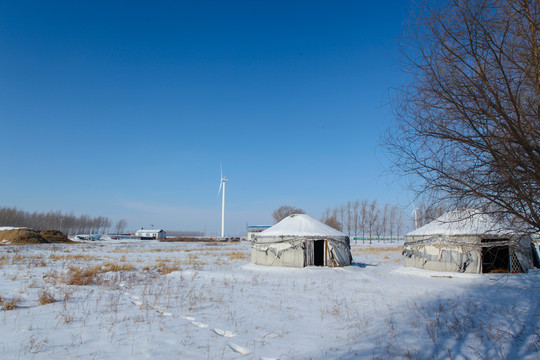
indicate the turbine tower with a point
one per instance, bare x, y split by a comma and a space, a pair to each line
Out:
415, 212
222, 183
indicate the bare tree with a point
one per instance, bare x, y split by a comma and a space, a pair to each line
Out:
356, 217
468, 124
341, 214
120, 226
372, 217
284, 211
350, 218
364, 218
330, 219
52, 220
426, 213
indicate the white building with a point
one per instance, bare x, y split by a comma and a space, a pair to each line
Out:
254, 230
147, 234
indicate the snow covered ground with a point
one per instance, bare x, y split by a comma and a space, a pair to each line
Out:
145, 299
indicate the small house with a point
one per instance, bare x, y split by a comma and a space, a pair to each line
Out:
253, 230
149, 234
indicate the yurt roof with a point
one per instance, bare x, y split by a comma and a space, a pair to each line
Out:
301, 225
462, 222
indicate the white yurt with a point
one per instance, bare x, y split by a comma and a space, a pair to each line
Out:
299, 240
468, 241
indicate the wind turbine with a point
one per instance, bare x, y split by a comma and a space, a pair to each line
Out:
415, 212
222, 183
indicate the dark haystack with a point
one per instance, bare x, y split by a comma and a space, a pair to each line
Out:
22, 236
54, 236
29, 236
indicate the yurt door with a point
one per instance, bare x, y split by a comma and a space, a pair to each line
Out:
318, 252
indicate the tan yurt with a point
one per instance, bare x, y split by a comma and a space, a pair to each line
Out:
467, 241
299, 240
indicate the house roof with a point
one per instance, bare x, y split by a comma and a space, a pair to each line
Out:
148, 230
301, 225
462, 222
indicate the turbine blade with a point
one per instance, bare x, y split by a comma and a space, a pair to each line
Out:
219, 191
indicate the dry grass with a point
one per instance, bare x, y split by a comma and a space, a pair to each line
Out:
46, 297
377, 250
79, 257
109, 266
167, 269
168, 250
194, 262
237, 255
122, 250
9, 304
91, 275
83, 276
4, 260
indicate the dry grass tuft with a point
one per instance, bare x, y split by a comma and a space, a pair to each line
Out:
237, 255
109, 266
46, 297
9, 304
81, 257
167, 269
82, 277
4, 260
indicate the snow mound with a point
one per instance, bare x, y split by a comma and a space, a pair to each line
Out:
2, 228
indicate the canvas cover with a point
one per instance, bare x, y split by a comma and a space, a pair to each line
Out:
454, 242
291, 243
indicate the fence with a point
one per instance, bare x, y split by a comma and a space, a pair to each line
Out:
376, 239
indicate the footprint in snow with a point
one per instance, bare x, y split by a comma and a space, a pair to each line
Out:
136, 302
224, 333
271, 335
239, 349
189, 318
199, 324
161, 311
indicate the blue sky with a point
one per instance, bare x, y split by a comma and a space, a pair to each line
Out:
126, 108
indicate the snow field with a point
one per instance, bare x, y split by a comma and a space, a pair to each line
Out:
196, 300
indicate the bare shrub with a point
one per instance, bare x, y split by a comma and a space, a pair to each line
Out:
45, 297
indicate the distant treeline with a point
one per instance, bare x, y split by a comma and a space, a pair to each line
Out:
69, 224
366, 219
